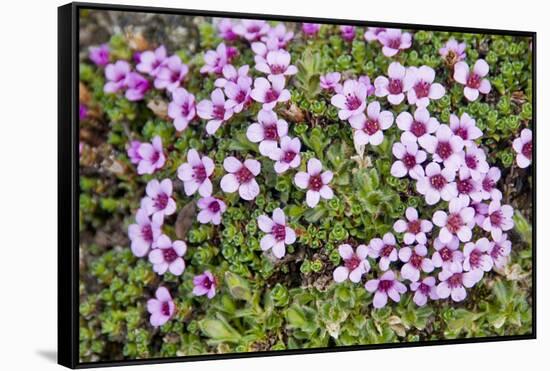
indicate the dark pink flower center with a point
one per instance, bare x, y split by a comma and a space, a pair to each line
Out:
454, 222
218, 112
271, 95
414, 226
207, 283
244, 175
161, 201
241, 96
527, 150
165, 308
214, 206
185, 109
352, 262
199, 173
169, 255
394, 43
385, 285
496, 218
424, 289
371, 127
422, 89
386, 250
175, 76
488, 184
289, 156
461, 132
418, 128
270, 132
416, 260
352, 102
471, 161
277, 69
315, 182
455, 280
279, 232
147, 233
497, 251
446, 254
409, 161
464, 186
395, 86
438, 181
475, 258
155, 156
444, 150
473, 81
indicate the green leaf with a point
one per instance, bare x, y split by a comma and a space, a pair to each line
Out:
238, 286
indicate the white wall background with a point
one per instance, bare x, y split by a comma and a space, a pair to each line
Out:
28, 155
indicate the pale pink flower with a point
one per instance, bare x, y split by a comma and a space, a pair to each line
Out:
216, 60
132, 151
230, 73
423, 88
499, 219
372, 33
277, 62
395, 86
267, 131
473, 81
151, 156
453, 51
447, 254
466, 128
205, 284
167, 256
355, 263
523, 145
136, 87
279, 34
369, 128
365, 80
251, 29
158, 198
351, 100
238, 93
476, 256
161, 308
415, 260
195, 174
459, 221
423, 290
214, 110
468, 188
445, 147
481, 210
347, 33
454, 282
393, 41
409, 160
99, 55
489, 189
331, 82
418, 127
386, 286
315, 181
150, 62
385, 249
145, 232
115, 74
182, 108
261, 49
171, 74
437, 184
211, 210
270, 91
278, 234
225, 29
415, 229
474, 162
241, 177
287, 156
500, 251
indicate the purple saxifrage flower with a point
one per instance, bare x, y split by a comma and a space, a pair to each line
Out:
270, 91
215, 60
287, 156
225, 29
277, 62
150, 62
489, 189
115, 74
158, 199
393, 41
136, 86
386, 286
385, 249
474, 81
161, 308
372, 33
499, 219
415, 229
171, 74
205, 284
230, 73
278, 35
99, 55
267, 131
182, 108
311, 29
467, 187
476, 256
474, 163
437, 184
395, 86
152, 156
355, 263
422, 86
238, 93
418, 127
454, 282
277, 233
167, 256
315, 181
331, 82
415, 260
453, 52
369, 128
251, 29
459, 221
347, 33
500, 251
214, 110
523, 145
447, 254
132, 151
241, 177
466, 128
481, 210
409, 160
445, 147
144, 233
423, 290
211, 210
351, 100
195, 174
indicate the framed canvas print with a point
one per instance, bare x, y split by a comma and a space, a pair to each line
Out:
236, 185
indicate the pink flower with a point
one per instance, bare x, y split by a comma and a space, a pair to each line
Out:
331, 82
468, 188
476, 256
395, 85
288, 156
225, 29
447, 254
445, 147
195, 174
437, 184
368, 128
238, 93
415, 261
152, 156
116, 76
158, 199
167, 256
162, 308
230, 73
458, 222
136, 85
270, 91
144, 233
215, 60
214, 110
409, 160
465, 128
310, 29
241, 177
423, 290
365, 80
393, 41
211, 210
499, 219
355, 264
347, 32
473, 81
251, 29
315, 181
372, 33
474, 163
385, 249
500, 251
133, 151
278, 34
352, 100
205, 284
267, 131
481, 210
277, 62
415, 229
150, 62
488, 185
523, 145
454, 281
261, 49
171, 73
417, 128
278, 234
453, 51
386, 286
423, 88
182, 108
99, 54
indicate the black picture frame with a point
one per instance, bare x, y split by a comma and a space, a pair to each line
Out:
68, 183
